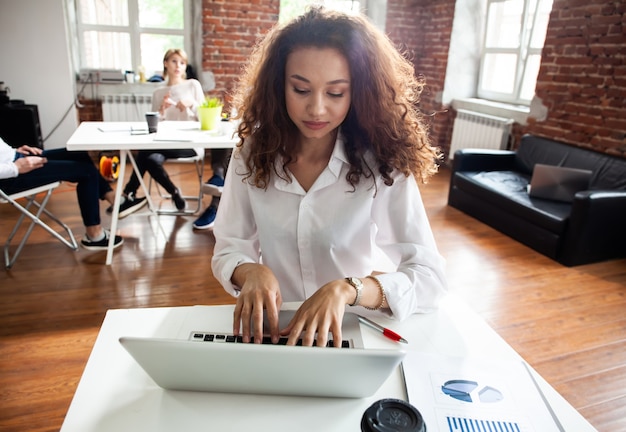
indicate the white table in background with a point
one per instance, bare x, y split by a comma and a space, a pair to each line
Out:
126, 136
115, 395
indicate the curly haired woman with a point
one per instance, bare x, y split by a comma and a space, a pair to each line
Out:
321, 201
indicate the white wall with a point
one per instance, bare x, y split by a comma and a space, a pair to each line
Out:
464, 54
35, 63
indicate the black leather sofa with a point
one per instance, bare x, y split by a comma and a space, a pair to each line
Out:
491, 185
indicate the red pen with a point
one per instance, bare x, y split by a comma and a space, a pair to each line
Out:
385, 331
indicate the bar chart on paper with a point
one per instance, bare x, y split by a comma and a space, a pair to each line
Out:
462, 424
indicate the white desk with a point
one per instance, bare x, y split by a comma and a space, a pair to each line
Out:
117, 136
114, 394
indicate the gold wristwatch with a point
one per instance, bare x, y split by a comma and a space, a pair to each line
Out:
358, 286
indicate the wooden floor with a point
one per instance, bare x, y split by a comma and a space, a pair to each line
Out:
568, 323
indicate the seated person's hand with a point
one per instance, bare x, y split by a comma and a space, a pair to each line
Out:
167, 102
181, 106
260, 292
30, 163
29, 151
322, 313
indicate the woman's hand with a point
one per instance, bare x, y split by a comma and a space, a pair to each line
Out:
167, 102
259, 292
181, 106
30, 163
322, 313
29, 151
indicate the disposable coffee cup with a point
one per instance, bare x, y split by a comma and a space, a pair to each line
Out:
152, 118
392, 415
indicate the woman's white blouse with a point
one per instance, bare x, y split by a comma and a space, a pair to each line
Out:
188, 90
310, 238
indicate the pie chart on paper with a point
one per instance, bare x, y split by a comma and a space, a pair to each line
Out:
471, 391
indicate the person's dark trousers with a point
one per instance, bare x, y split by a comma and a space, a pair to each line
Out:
219, 161
76, 167
152, 161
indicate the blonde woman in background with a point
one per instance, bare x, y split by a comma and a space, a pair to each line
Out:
178, 100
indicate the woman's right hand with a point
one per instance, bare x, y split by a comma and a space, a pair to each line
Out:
167, 102
29, 163
259, 292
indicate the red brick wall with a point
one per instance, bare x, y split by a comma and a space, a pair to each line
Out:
582, 80
423, 28
230, 30
91, 110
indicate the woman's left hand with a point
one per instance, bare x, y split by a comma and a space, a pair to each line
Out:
181, 106
30, 151
322, 313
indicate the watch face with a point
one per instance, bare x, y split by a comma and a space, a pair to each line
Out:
355, 282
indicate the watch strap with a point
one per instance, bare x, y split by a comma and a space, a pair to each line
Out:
358, 286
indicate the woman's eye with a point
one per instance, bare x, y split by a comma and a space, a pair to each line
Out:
335, 95
300, 91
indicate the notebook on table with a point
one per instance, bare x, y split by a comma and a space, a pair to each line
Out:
558, 183
204, 359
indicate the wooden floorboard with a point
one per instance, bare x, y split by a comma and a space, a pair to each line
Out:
568, 323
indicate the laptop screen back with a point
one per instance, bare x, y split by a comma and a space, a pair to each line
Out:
232, 367
558, 183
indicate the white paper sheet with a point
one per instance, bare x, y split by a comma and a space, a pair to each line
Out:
475, 394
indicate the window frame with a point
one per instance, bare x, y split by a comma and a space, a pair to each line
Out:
133, 29
524, 51
375, 10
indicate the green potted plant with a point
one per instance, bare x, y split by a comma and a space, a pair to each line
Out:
210, 112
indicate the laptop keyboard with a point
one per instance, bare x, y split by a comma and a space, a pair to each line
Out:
226, 338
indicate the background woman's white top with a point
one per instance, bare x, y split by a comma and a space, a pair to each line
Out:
188, 90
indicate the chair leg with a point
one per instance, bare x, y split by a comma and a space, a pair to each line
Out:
199, 166
35, 220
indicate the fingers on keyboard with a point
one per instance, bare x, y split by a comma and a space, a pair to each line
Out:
212, 337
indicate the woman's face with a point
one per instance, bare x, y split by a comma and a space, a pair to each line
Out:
175, 65
317, 91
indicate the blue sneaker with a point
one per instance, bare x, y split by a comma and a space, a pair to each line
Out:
214, 186
207, 219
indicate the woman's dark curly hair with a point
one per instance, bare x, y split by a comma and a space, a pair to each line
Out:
383, 117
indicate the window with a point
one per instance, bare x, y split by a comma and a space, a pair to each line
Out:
290, 9
374, 9
127, 34
514, 38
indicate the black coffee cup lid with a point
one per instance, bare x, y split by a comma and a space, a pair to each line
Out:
392, 415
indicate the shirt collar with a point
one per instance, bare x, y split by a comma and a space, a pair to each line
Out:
337, 159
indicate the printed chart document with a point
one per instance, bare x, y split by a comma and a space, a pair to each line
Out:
456, 394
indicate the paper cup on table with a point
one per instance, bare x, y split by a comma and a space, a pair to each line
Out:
152, 118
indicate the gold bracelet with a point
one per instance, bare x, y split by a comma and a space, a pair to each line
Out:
382, 293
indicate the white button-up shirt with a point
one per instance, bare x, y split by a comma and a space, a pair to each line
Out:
8, 169
308, 238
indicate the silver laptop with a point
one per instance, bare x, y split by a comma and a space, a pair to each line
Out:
558, 183
214, 361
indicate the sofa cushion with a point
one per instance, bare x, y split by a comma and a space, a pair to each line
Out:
508, 189
609, 173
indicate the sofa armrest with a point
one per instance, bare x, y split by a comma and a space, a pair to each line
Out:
483, 160
597, 228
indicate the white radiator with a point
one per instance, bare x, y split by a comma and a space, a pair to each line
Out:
477, 130
126, 107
